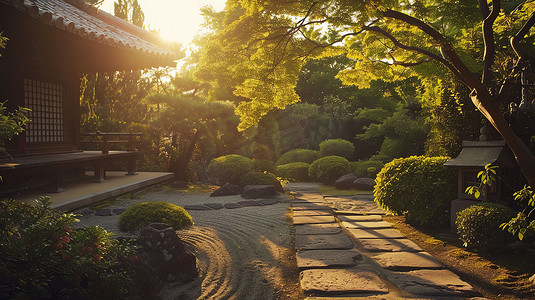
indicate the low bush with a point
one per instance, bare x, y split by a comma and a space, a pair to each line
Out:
367, 168
419, 187
229, 168
329, 168
298, 155
478, 225
337, 147
262, 165
43, 256
142, 214
297, 171
255, 178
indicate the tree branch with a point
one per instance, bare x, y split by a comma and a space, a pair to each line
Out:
515, 41
488, 39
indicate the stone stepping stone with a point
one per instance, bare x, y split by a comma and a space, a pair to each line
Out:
103, 212
313, 219
196, 207
308, 200
232, 205
432, 283
376, 233
214, 205
311, 206
118, 211
86, 212
358, 218
326, 228
379, 213
406, 261
327, 258
367, 225
267, 201
301, 213
249, 203
389, 245
341, 281
323, 241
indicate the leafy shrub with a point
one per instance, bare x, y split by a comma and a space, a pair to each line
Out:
329, 168
337, 147
478, 225
417, 186
142, 214
367, 168
42, 256
382, 158
262, 165
255, 177
298, 155
296, 171
229, 168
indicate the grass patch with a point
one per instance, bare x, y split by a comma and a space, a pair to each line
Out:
332, 191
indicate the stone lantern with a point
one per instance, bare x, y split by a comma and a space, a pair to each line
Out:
473, 158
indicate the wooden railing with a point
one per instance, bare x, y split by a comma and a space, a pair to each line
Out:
106, 140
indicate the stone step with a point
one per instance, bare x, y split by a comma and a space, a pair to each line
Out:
323, 242
307, 259
341, 281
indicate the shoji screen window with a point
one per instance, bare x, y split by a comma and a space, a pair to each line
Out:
47, 114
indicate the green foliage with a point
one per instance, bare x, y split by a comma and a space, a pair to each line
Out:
329, 168
140, 215
42, 256
417, 186
297, 171
523, 225
229, 168
11, 124
368, 168
477, 225
337, 147
262, 165
255, 178
298, 155
487, 178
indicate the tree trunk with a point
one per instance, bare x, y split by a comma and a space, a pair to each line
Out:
181, 171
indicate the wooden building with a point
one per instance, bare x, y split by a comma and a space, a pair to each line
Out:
52, 43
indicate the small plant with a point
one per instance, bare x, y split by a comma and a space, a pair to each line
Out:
478, 224
487, 178
142, 214
523, 224
337, 147
229, 168
42, 256
298, 155
295, 171
329, 168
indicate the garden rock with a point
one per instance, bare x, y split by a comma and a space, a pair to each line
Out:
228, 189
366, 184
164, 251
345, 182
258, 191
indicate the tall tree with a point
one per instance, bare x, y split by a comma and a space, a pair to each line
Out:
265, 43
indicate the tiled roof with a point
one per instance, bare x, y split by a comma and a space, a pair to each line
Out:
80, 18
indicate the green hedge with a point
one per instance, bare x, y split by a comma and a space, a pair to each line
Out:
367, 168
255, 178
297, 171
419, 187
329, 168
229, 168
298, 155
262, 165
142, 214
337, 147
478, 225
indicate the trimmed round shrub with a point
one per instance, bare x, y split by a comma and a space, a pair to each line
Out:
229, 168
255, 178
142, 214
419, 187
297, 171
329, 168
337, 147
298, 155
367, 168
478, 225
262, 165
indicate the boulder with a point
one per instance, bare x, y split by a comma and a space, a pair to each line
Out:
227, 189
259, 191
163, 251
366, 184
345, 182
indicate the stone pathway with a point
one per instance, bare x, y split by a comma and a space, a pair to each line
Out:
351, 253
